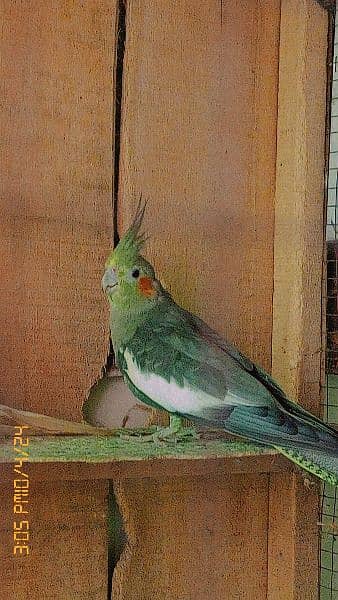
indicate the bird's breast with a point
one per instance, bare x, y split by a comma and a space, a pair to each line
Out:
167, 392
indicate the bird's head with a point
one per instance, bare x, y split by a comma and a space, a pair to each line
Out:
129, 280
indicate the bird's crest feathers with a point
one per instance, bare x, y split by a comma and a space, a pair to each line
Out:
130, 245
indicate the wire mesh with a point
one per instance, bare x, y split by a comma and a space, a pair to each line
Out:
329, 511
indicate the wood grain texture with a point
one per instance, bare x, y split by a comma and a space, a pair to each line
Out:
56, 222
199, 466
68, 543
113, 457
56, 129
293, 538
199, 143
171, 522
299, 257
198, 140
300, 193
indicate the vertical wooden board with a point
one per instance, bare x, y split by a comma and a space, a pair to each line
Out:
300, 194
56, 164
293, 537
67, 547
56, 217
198, 140
170, 518
297, 335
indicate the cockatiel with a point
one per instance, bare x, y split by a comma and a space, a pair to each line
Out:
172, 360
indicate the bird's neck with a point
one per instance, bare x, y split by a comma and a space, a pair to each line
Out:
123, 324
125, 317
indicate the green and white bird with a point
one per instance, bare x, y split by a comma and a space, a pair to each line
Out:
172, 360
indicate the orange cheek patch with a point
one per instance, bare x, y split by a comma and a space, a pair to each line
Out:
146, 288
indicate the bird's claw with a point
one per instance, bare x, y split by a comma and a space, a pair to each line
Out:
161, 435
167, 435
136, 435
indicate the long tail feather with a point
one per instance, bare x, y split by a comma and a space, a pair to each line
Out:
318, 462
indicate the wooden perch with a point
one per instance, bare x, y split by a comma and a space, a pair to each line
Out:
75, 451
93, 458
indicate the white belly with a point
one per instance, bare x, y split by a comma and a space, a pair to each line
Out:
168, 394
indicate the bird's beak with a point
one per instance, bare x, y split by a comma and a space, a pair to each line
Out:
109, 281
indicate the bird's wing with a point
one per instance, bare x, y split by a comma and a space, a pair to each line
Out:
185, 367
168, 346
282, 401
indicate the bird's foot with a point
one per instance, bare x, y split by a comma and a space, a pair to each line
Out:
175, 433
169, 435
138, 435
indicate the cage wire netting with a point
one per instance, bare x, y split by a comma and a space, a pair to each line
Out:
329, 511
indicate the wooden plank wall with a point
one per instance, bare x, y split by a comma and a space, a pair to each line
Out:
199, 142
299, 259
56, 221
199, 137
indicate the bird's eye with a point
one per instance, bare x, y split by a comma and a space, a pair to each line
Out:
135, 273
